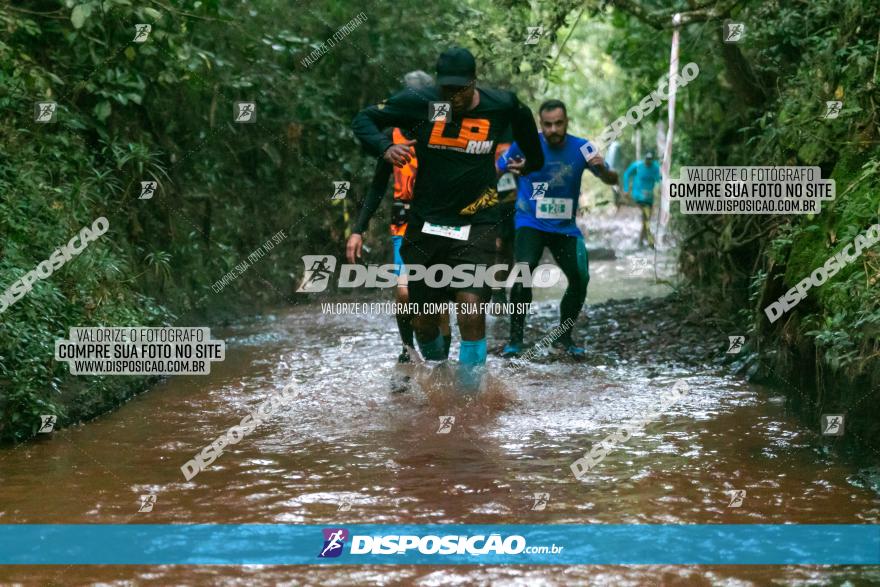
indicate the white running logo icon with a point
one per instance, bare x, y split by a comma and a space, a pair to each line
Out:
335, 542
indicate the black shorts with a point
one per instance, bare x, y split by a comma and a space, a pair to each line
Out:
506, 228
420, 248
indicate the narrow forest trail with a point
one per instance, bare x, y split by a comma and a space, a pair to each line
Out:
344, 438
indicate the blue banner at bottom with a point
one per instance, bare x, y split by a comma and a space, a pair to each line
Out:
439, 544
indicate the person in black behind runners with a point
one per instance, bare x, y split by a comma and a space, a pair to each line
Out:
404, 181
453, 215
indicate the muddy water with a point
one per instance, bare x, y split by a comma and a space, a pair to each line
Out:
344, 438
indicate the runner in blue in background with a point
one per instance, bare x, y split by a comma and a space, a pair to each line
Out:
546, 204
646, 175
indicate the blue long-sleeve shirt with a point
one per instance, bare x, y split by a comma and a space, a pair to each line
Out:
645, 179
547, 199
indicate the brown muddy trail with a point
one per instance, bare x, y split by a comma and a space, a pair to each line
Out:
345, 438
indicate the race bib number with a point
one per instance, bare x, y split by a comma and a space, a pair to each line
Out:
506, 182
553, 208
457, 232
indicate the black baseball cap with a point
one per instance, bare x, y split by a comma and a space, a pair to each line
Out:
456, 67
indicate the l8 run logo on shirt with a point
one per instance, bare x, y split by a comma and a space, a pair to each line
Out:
473, 137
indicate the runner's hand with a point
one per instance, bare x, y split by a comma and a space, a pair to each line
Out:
399, 154
515, 165
354, 247
597, 161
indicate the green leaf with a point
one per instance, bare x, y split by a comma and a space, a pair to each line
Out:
79, 15
102, 110
273, 154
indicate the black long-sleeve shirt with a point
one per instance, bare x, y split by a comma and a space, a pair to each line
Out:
456, 179
377, 190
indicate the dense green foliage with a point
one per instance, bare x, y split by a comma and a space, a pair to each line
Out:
761, 102
793, 60
163, 110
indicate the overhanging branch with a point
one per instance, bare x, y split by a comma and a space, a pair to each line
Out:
662, 20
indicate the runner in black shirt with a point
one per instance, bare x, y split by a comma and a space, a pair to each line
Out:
404, 181
456, 158
454, 207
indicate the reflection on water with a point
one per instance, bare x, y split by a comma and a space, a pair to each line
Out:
344, 439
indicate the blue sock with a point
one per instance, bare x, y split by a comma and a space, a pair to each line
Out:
434, 350
447, 342
471, 364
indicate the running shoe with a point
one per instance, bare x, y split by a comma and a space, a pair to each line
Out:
404, 356
400, 383
573, 350
513, 349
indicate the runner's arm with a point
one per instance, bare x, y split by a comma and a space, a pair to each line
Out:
604, 173
511, 153
599, 167
374, 195
525, 133
399, 110
608, 175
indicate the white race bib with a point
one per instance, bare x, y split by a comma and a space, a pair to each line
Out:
506, 182
553, 208
457, 232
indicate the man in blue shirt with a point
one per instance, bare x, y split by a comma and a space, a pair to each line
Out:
546, 204
646, 175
